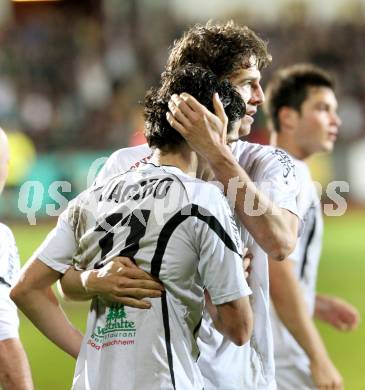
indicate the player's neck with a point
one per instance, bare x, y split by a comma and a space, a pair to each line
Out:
286, 143
183, 158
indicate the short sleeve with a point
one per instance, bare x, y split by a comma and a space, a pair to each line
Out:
220, 257
307, 191
274, 173
279, 181
9, 257
9, 271
297, 254
9, 321
58, 249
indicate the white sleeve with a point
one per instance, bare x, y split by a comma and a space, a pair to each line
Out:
307, 191
9, 271
279, 181
9, 321
297, 255
59, 247
109, 169
220, 253
9, 257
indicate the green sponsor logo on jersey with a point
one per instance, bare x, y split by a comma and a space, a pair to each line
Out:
116, 321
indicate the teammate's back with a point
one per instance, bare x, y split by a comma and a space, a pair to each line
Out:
181, 231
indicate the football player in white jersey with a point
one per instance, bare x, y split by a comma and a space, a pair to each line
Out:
236, 53
302, 108
179, 229
14, 368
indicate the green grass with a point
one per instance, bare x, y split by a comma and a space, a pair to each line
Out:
52, 369
341, 273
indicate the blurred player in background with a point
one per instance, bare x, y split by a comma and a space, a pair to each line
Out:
302, 109
14, 368
236, 53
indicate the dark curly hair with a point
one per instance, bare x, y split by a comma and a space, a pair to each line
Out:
198, 82
289, 87
222, 48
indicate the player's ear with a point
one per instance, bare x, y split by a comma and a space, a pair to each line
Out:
287, 118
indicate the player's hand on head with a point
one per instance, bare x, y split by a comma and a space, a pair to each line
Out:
205, 132
120, 280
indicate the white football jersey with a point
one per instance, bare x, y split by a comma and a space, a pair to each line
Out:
306, 258
62, 239
9, 272
222, 363
181, 231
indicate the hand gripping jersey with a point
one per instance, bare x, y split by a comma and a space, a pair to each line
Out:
9, 270
181, 231
223, 364
306, 257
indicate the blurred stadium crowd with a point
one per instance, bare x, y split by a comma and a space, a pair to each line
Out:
73, 74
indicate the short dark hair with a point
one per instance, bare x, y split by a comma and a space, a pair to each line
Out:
201, 84
222, 48
290, 86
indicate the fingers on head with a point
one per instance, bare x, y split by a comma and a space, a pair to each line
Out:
219, 109
192, 104
179, 102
